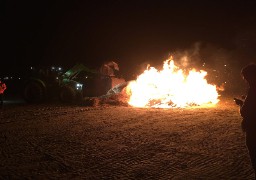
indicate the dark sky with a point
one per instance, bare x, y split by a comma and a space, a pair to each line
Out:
129, 32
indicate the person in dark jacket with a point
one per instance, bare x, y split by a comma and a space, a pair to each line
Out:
248, 112
2, 89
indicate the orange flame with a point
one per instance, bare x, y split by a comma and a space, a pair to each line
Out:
170, 87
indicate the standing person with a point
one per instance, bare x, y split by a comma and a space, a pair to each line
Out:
2, 89
109, 68
248, 112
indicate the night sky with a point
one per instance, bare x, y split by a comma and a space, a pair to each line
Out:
128, 32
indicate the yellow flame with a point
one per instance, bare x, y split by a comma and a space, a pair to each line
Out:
170, 87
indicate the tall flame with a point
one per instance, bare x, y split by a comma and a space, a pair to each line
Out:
170, 87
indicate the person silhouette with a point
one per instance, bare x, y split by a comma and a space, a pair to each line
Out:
2, 89
248, 112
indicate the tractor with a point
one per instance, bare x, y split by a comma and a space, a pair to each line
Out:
69, 87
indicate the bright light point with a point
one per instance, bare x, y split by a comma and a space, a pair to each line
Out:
79, 86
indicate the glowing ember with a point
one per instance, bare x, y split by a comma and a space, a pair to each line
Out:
170, 87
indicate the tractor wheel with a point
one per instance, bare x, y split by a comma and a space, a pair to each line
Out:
67, 94
34, 92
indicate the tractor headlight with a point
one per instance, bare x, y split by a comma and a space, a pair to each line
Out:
79, 86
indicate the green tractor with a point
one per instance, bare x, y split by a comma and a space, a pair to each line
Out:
71, 86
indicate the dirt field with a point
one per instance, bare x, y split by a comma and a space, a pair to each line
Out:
118, 142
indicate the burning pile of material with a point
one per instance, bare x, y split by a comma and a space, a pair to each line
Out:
171, 87
115, 96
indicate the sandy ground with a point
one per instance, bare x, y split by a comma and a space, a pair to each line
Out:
117, 142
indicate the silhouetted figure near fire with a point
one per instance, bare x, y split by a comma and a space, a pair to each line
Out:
109, 68
248, 112
2, 89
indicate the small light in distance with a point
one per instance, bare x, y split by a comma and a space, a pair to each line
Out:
79, 86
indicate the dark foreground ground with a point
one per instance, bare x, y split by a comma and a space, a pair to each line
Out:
118, 142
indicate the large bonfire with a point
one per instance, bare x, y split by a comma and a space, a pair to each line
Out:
171, 87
